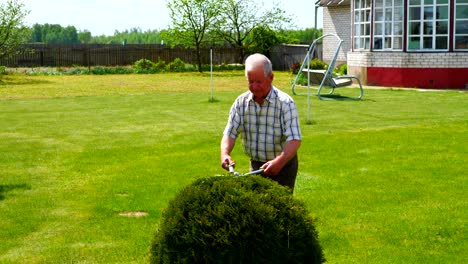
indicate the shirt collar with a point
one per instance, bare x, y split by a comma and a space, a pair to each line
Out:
270, 96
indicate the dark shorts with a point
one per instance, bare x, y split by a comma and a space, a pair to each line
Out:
287, 175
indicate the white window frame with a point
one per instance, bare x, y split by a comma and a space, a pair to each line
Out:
388, 25
362, 24
459, 22
429, 36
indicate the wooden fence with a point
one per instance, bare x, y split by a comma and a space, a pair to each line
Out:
43, 55
284, 57
48, 55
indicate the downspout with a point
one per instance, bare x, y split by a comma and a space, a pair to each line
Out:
317, 5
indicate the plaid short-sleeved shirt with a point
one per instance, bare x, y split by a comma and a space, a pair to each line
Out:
264, 128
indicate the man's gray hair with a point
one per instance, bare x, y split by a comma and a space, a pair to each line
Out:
258, 59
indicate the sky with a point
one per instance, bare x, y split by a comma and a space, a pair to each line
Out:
104, 17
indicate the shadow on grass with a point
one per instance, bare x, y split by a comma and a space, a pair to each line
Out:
337, 97
213, 100
4, 189
311, 122
20, 81
218, 74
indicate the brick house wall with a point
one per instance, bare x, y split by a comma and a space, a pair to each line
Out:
334, 17
408, 60
440, 70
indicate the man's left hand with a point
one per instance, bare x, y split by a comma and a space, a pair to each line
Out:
271, 168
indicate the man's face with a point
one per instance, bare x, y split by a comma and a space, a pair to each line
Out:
259, 84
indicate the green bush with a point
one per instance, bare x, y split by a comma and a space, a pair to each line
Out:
317, 64
229, 67
295, 67
99, 71
224, 67
177, 65
143, 64
160, 65
235, 220
343, 70
122, 70
3, 70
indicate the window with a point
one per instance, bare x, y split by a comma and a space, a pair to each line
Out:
362, 24
461, 25
428, 24
388, 25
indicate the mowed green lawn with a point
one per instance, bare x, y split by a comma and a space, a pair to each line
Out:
385, 177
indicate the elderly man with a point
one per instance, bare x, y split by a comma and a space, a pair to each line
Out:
266, 118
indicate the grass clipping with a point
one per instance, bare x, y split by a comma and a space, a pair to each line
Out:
133, 214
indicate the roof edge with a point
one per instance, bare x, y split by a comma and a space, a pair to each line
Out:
327, 3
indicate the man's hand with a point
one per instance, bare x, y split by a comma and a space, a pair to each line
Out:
226, 161
273, 167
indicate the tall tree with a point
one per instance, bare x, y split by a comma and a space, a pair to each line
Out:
301, 36
191, 20
85, 36
70, 35
13, 32
54, 34
239, 17
36, 34
262, 39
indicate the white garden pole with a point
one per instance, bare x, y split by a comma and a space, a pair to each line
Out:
308, 87
211, 74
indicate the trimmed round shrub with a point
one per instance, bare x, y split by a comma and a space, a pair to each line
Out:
235, 220
160, 65
177, 65
143, 64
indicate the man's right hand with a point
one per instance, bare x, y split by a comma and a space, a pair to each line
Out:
226, 162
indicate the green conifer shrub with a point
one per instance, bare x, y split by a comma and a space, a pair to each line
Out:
143, 64
235, 220
177, 65
160, 65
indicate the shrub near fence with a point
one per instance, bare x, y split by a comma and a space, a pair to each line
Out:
55, 55
285, 57
49, 55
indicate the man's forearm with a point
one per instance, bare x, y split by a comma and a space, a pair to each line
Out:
289, 151
227, 145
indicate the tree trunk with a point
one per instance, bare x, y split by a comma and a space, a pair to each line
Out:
199, 63
241, 51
